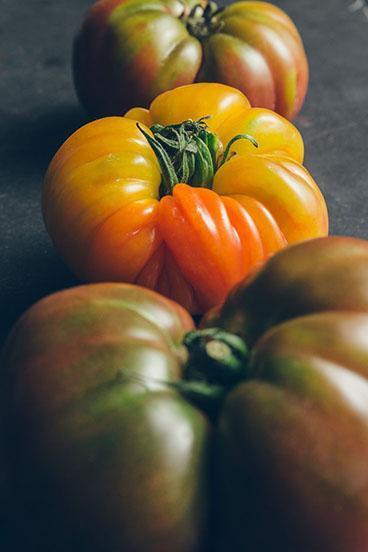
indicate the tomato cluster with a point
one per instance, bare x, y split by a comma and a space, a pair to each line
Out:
126, 428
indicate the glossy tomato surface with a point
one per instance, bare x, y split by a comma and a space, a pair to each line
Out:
109, 455
129, 51
293, 440
106, 454
106, 213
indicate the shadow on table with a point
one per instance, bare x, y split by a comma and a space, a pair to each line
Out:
35, 277
28, 141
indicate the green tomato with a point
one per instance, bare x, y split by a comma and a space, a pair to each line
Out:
254, 438
106, 453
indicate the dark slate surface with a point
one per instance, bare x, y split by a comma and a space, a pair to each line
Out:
39, 110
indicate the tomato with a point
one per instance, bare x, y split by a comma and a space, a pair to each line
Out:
96, 425
293, 440
255, 439
129, 51
180, 220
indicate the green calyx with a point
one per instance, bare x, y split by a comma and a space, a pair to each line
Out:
202, 22
217, 361
188, 152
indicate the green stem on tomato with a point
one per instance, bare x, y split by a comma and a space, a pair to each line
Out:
188, 152
202, 22
231, 142
216, 356
216, 361
185, 152
169, 176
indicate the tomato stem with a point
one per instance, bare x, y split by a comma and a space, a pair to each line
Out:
215, 356
231, 142
217, 360
186, 153
202, 21
168, 172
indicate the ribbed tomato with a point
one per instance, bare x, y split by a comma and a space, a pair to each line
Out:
106, 455
183, 208
293, 439
129, 51
255, 439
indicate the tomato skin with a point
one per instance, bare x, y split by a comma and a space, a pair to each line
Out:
88, 374
129, 51
288, 287
102, 204
121, 61
292, 441
107, 454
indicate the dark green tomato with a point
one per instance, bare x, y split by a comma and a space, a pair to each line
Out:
105, 452
293, 439
108, 456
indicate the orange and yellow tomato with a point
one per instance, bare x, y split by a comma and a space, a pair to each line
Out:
103, 210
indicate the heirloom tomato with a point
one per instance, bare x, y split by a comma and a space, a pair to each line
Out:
129, 51
128, 430
293, 439
188, 206
106, 453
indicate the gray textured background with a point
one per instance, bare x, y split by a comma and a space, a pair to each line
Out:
39, 110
